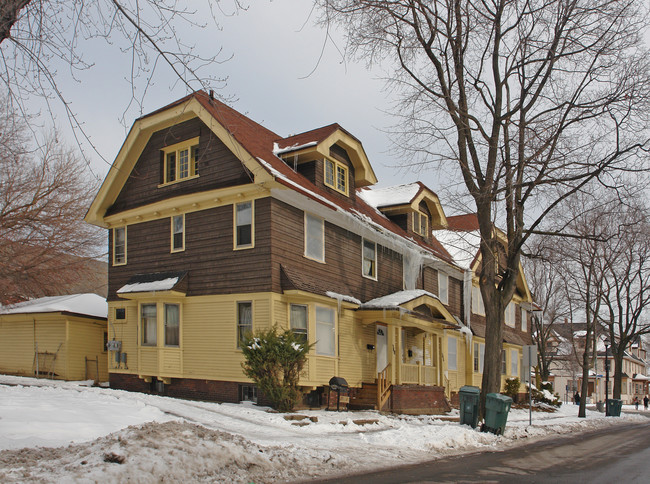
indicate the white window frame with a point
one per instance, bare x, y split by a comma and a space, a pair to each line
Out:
188, 147
237, 224
477, 301
373, 261
340, 184
443, 287
322, 326
313, 222
452, 363
115, 230
181, 248
524, 320
514, 362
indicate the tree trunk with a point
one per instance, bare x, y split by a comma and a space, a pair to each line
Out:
618, 374
584, 388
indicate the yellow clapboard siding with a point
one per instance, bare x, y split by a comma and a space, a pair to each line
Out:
86, 340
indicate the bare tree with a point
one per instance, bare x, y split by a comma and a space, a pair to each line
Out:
546, 284
530, 101
45, 192
39, 37
626, 293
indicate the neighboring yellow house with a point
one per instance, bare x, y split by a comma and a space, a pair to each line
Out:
60, 337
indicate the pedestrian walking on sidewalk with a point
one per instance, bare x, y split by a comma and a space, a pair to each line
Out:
636, 403
645, 402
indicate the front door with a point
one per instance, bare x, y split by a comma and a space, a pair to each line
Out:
382, 347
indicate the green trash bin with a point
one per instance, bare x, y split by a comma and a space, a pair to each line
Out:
614, 407
469, 397
497, 407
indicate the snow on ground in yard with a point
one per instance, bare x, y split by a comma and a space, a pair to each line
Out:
84, 430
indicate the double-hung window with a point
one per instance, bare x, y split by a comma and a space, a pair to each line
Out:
369, 262
149, 321
119, 246
181, 161
336, 176
479, 357
178, 233
325, 331
172, 324
514, 362
452, 363
510, 314
314, 238
244, 321
524, 320
243, 225
298, 321
443, 287
477, 301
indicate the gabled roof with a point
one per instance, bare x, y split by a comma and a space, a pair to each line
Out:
318, 142
256, 147
462, 240
90, 305
408, 195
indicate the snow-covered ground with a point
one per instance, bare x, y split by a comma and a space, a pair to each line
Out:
68, 432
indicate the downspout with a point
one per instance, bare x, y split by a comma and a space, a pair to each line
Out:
467, 296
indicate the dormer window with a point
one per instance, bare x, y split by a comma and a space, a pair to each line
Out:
420, 223
336, 176
181, 161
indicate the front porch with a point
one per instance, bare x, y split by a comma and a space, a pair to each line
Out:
409, 356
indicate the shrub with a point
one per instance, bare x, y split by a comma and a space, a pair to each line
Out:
274, 361
511, 388
544, 396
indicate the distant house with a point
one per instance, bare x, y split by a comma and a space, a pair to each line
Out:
62, 337
218, 227
567, 341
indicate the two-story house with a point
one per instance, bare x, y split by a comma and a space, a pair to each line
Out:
219, 227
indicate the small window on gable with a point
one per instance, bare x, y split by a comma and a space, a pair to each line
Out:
524, 320
314, 238
336, 176
420, 223
243, 225
120, 313
178, 233
369, 262
119, 246
443, 287
181, 161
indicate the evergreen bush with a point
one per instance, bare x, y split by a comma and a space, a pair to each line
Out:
274, 360
511, 388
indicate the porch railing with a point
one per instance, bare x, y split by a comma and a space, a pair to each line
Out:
383, 387
417, 374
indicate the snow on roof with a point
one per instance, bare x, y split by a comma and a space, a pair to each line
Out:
161, 285
639, 376
396, 299
342, 297
389, 196
86, 304
462, 246
278, 151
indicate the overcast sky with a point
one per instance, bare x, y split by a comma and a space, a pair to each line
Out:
274, 77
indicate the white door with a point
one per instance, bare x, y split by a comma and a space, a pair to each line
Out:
382, 347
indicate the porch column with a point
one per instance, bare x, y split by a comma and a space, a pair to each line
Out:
394, 348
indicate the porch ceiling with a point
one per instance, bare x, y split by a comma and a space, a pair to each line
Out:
402, 319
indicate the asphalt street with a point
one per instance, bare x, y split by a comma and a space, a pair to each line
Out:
619, 454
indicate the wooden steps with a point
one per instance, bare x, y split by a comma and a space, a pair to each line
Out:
365, 399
